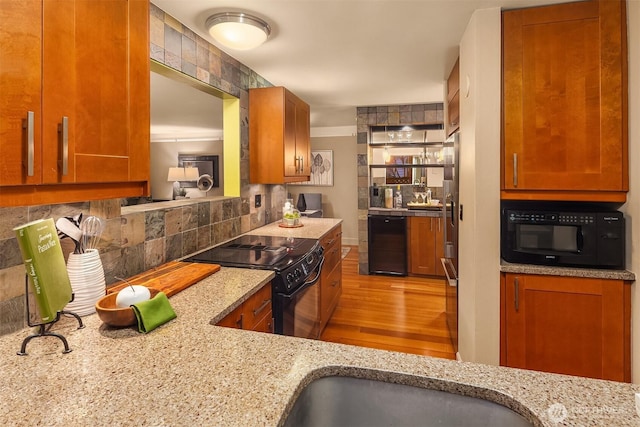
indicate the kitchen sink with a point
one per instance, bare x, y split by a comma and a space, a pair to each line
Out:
347, 401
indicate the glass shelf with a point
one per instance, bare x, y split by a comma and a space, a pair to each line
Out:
404, 154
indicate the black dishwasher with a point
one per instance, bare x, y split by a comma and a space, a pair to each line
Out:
388, 245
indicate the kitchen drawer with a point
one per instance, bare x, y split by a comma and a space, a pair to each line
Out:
330, 294
255, 308
333, 236
332, 256
265, 324
253, 314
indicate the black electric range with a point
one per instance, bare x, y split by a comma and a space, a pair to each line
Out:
297, 264
292, 259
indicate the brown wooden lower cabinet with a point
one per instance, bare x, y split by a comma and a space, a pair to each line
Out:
331, 276
567, 325
425, 245
254, 314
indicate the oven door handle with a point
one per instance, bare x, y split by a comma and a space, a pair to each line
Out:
308, 283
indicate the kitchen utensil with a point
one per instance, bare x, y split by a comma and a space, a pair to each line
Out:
92, 228
69, 229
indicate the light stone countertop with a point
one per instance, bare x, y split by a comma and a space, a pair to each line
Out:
312, 228
168, 204
430, 212
593, 273
189, 372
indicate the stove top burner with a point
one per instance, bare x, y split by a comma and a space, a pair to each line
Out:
264, 252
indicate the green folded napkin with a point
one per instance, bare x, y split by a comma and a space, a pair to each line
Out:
153, 313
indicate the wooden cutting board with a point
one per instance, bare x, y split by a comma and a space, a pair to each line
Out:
171, 277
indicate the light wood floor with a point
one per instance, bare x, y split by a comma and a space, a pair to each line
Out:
405, 314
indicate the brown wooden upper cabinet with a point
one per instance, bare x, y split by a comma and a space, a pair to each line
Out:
279, 137
453, 99
565, 102
75, 110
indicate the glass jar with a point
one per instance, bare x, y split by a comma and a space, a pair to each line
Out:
290, 215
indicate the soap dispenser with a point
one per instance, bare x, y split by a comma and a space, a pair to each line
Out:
398, 199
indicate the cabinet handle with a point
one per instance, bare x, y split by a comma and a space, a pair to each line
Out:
335, 283
63, 132
516, 289
239, 322
262, 307
515, 169
28, 126
301, 164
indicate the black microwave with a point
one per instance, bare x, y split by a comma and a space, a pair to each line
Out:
563, 238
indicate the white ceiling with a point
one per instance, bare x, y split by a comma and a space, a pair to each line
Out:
340, 54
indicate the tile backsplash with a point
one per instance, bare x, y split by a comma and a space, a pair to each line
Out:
134, 240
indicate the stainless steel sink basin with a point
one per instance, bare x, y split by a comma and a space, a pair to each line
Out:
346, 401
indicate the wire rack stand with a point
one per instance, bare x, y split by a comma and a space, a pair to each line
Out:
44, 329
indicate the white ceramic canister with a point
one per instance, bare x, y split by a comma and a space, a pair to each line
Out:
87, 281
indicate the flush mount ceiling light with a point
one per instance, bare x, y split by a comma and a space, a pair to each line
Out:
238, 30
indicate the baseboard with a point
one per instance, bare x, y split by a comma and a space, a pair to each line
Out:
349, 241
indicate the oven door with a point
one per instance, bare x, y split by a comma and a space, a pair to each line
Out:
551, 244
298, 314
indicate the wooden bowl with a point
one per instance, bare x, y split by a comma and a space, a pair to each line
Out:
116, 316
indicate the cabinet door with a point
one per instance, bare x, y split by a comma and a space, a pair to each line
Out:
87, 81
303, 138
439, 246
331, 276
297, 152
233, 319
278, 137
82, 68
564, 96
330, 290
257, 307
422, 251
289, 143
20, 91
453, 99
567, 325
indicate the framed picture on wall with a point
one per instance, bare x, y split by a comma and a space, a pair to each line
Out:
206, 164
321, 168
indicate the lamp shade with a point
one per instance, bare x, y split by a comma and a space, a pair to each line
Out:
191, 174
176, 174
239, 31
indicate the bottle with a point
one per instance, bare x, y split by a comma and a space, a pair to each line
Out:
302, 203
388, 198
428, 201
397, 200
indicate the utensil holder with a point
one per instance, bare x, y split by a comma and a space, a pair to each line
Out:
86, 275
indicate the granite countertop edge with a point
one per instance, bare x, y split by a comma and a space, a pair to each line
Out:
189, 372
507, 267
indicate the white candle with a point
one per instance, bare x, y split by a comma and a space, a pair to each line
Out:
131, 295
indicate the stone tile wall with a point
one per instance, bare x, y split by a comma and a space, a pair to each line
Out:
390, 115
130, 244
